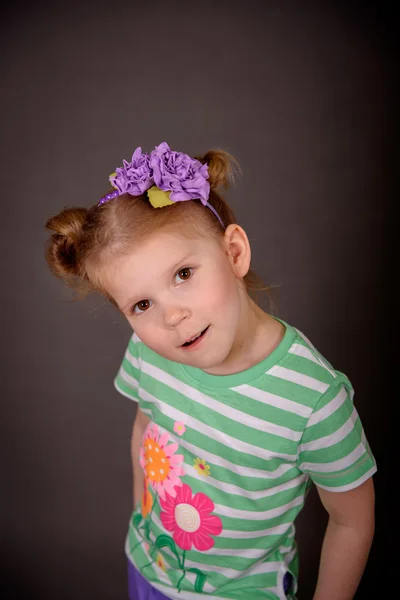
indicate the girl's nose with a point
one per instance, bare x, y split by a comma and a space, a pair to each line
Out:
173, 315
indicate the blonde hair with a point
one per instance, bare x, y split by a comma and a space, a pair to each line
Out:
84, 240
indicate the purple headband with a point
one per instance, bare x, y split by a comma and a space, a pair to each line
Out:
167, 177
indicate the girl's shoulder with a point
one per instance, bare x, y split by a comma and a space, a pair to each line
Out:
306, 367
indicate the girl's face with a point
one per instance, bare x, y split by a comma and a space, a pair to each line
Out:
171, 289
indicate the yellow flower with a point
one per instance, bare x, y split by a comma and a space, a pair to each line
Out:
160, 562
201, 466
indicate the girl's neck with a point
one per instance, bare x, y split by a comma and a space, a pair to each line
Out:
258, 335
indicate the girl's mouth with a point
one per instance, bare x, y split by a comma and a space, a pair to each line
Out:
194, 343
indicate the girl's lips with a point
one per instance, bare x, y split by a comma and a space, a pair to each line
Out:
195, 344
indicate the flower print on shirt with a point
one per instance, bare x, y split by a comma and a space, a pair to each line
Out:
160, 562
163, 468
201, 466
147, 499
179, 427
189, 518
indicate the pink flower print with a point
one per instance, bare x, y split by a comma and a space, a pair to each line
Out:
189, 518
162, 466
179, 427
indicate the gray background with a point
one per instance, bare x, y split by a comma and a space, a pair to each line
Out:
302, 95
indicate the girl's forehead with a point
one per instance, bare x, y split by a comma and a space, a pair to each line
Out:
153, 260
162, 246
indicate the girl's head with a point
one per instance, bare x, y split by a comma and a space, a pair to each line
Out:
172, 271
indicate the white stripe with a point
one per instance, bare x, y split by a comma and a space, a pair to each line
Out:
264, 567
323, 362
336, 465
129, 379
304, 352
292, 532
135, 362
229, 488
363, 438
219, 436
328, 410
298, 378
224, 571
273, 400
353, 484
286, 549
235, 513
244, 535
239, 552
211, 403
135, 338
290, 557
333, 438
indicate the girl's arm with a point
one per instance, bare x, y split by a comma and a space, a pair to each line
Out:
347, 541
139, 426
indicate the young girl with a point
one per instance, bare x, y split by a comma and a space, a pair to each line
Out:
237, 412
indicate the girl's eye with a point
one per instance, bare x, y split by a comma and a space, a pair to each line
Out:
141, 307
184, 274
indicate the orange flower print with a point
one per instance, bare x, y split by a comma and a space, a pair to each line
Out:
160, 562
163, 468
147, 500
179, 427
201, 467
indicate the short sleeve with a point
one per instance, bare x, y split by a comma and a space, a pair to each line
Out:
334, 450
127, 379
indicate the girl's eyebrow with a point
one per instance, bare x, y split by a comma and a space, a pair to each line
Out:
180, 262
172, 268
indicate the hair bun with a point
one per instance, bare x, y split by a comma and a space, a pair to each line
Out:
62, 252
222, 168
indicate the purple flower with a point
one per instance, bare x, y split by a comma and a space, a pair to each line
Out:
136, 177
185, 177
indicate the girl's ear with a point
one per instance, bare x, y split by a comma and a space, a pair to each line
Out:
238, 250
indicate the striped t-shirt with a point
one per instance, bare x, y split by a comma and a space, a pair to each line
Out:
227, 464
